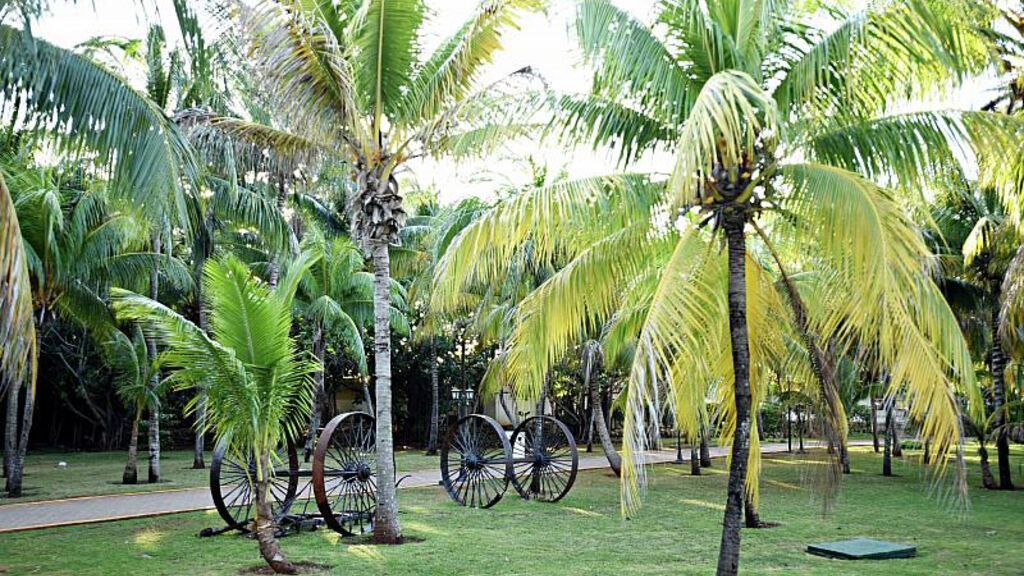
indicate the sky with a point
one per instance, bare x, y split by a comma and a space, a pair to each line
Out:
542, 42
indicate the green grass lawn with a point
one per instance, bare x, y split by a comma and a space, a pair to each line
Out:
99, 473
677, 532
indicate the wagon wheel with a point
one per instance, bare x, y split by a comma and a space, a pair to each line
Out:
232, 490
475, 461
345, 473
545, 459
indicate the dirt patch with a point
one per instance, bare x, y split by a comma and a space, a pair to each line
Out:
303, 568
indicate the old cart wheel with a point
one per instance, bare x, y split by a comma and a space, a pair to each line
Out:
345, 473
545, 459
232, 484
475, 464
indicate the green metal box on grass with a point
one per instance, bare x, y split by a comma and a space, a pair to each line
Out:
863, 549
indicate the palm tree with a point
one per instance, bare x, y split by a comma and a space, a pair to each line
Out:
78, 241
337, 296
779, 137
975, 225
134, 369
258, 384
84, 109
350, 79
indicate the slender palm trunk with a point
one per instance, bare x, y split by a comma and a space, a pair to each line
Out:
16, 442
800, 430
897, 444
705, 449
729, 549
997, 358
131, 468
270, 548
987, 480
11, 428
316, 414
789, 429
434, 399
590, 429
154, 410
750, 517
386, 528
694, 460
614, 460
874, 423
199, 446
887, 452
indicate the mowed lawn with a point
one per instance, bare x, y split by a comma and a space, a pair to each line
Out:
99, 473
677, 532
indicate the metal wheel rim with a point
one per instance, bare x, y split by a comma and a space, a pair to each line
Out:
480, 484
234, 497
548, 482
345, 473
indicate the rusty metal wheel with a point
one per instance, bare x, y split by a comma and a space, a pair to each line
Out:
544, 458
232, 480
345, 473
475, 464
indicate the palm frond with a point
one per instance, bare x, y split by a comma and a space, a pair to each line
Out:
17, 326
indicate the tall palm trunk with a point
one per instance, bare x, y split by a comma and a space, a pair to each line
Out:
131, 468
318, 389
614, 460
997, 358
800, 430
887, 452
729, 549
705, 448
154, 409
270, 548
874, 422
789, 428
199, 445
694, 460
987, 480
386, 529
434, 398
16, 442
750, 517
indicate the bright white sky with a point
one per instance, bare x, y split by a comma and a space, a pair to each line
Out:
542, 42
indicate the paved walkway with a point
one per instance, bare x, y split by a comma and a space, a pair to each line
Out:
88, 509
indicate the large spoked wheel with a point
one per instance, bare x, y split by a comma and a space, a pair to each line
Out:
232, 484
475, 464
345, 473
544, 459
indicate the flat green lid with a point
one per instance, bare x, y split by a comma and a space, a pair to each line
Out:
863, 549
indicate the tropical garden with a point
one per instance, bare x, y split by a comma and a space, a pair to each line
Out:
781, 242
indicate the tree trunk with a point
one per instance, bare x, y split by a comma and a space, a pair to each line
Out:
275, 265
750, 516
705, 449
844, 455
729, 550
789, 429
998, 366
874, 423
131, 468
386, 529
614, 460
897, 444
199, 446
270, 548
154, 410
316, 414
435, 415
987, 480
18, 466
694, 460
11, 428
590, 429
887, 452
800, 431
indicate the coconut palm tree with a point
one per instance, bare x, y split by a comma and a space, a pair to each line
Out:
258, 384
980, 242
781, 129
350, 79
133, 374
79, 239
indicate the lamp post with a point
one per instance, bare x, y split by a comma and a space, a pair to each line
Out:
462, 398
